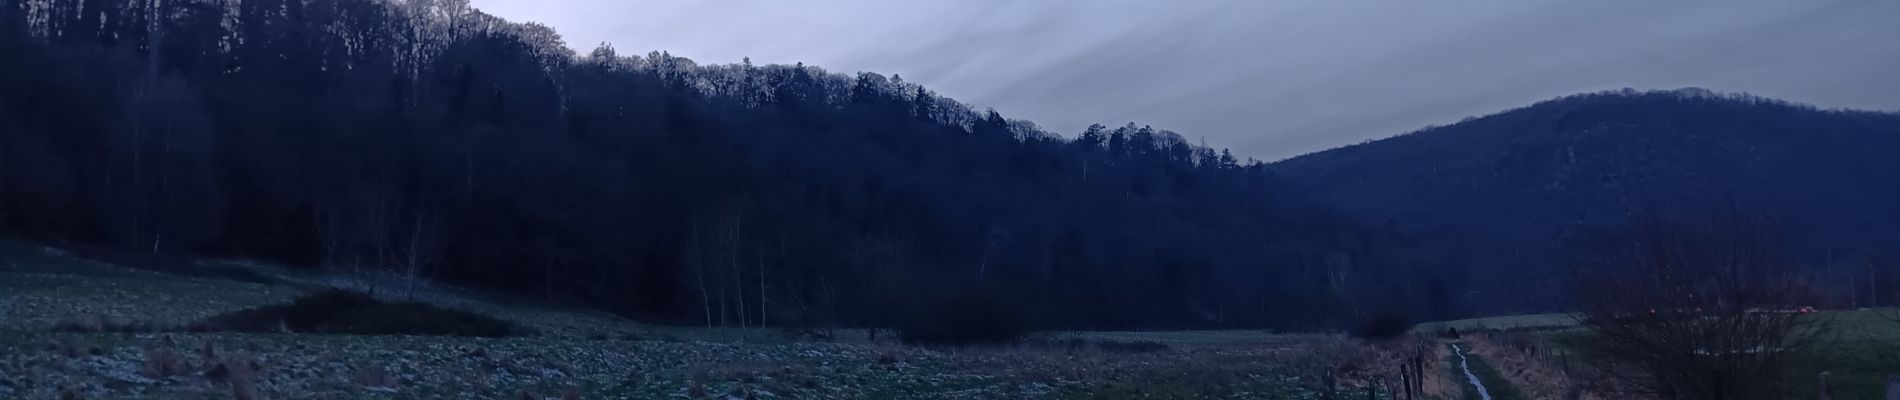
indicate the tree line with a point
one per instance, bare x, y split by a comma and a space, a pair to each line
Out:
428, 140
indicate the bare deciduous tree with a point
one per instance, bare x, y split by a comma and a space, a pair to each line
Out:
1707, 309
696, 261
716, 256
374, 235
419, 250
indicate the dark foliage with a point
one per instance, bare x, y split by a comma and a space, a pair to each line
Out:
1499, 193
1695, 308
96, 324
969, 318
1384, 327
428, 140
346, 312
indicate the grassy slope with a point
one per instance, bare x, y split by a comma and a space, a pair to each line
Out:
598, 356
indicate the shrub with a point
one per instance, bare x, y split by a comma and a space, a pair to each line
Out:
163, 363
806, 332
346, 312
241, 373
1383, 328
1332, 354
93, 323
970, 318
81, 324
69, 347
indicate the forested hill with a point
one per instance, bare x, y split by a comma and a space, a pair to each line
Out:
1502, 193
426, 139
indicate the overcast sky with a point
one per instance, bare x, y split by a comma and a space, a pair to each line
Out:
1272, 79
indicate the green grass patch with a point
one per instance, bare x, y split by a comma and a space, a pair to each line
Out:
1858, 348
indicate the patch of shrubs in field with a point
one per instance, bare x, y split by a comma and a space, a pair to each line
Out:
976, 317
1383, 328
347, 312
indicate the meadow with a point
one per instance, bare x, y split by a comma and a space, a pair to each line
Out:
46, 293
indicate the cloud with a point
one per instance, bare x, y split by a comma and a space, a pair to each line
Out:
1274, 78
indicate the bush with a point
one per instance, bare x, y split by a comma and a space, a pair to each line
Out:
346, 312
94, 323
971, 318
1330, 355
1383, 328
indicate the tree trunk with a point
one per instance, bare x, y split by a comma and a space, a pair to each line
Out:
1405, 382
697, 261
761, 266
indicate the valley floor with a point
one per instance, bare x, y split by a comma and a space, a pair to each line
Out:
588, 355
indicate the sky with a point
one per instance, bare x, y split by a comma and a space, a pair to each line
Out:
1274, 78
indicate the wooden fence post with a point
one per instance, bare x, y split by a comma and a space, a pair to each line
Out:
1405, 381
1418, 376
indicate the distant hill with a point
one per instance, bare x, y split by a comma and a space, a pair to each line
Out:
1500, 193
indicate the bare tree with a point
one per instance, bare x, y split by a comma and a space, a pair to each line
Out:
360, 233
696, 261
1879, 274
419, 250
992, 237
716, 256
734, 245
878, 259
1706, 309
763, 268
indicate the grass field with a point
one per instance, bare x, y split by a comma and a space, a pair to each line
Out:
595, 356
1858, 348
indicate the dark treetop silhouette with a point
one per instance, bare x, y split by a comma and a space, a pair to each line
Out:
428, 140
